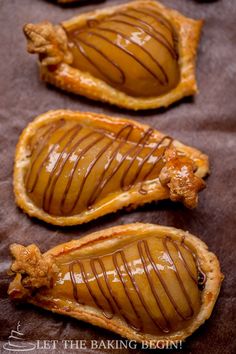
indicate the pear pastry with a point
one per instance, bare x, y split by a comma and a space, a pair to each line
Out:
72, 167
138, 55
142, 281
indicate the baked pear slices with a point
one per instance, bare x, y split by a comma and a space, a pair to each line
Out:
138, 55
142, 281
72, 167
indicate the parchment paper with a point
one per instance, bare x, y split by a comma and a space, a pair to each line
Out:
208, 122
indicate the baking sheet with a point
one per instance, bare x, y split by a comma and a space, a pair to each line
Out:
208, 122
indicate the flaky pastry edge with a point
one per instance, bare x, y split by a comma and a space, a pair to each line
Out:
207, 261
83, 83
131, 198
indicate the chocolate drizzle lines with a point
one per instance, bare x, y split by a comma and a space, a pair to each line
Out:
72, 139
104, 73
168, 239
72, 172
201, 275
102, 182
154, 292
53, 130
96, 159
56, 173
140, 25
126, 289
93, 267
162, 281
73, 281
122, 313
94, 297
141, 165
164, 324
137, 289
156, 16
163, 40
128, 52
185, 263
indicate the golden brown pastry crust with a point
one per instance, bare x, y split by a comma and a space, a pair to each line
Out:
76, 81
99, 241
155, 189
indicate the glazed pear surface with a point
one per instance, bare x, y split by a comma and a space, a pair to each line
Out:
152, 284
133, 50
138, 55
140, 280
74, 166
71, 167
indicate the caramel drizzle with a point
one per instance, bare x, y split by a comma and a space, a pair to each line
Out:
72, 145
156, 35
113, 302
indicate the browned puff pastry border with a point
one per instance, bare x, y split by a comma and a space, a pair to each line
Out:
114, 236
155, 190
76, 81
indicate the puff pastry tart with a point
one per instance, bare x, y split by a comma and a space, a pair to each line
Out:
139, 55
142, 281
72, 167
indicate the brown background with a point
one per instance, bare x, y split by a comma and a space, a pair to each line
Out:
208, 122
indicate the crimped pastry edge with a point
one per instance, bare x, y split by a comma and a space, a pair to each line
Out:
131, 198
208, 263
76, 81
